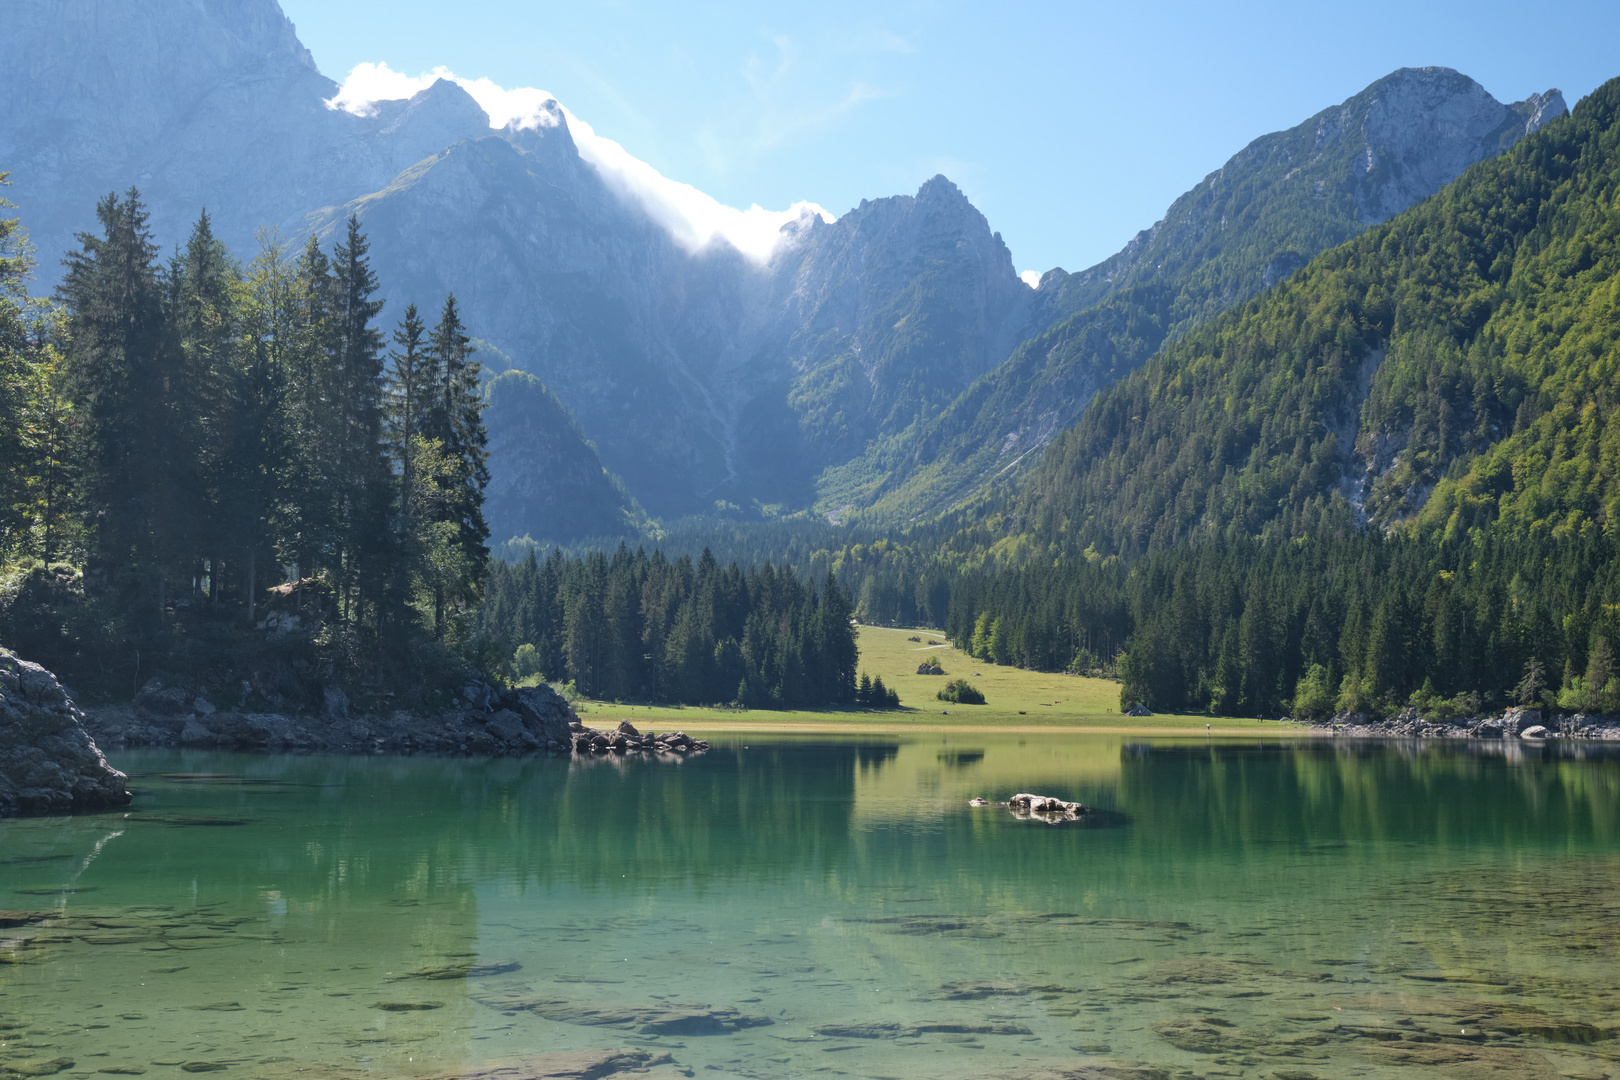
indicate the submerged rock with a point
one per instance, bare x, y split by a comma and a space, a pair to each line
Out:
49, 764
464, 970
567, 1065
653, 1018
880, 1030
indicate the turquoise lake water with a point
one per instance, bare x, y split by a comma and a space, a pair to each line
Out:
818, 906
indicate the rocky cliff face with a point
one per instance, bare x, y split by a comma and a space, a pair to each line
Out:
700, 375
546, 480
48, 762
1291, 194
889, 313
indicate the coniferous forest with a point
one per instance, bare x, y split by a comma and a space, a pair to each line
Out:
631, 626
201, 451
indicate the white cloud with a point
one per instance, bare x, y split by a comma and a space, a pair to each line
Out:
692, 217
370, 83
1032, 278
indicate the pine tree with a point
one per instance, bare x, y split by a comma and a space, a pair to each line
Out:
203, 286
34, 414
261, 451
454, 418
362, 485
308, 512
125, 385
410, 400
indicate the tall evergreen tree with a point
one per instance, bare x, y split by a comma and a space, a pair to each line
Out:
362, 481
454, 419
127, 387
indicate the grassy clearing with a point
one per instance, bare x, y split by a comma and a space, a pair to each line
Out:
1014, 698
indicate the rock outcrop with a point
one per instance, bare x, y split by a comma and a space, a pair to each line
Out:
625, 739
485, 722
1026, 803
1515, 723
48, 762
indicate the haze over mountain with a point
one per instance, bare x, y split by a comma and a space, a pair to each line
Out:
890, 358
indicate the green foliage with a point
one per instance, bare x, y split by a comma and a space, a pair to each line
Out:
1234, 625
870, 693
960, 692
1313, 695
634, 627
1598, 690
36, 418
191, 429
1463, 353
526, 663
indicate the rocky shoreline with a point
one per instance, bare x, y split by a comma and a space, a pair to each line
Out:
1516, 723
485, 722
49, 764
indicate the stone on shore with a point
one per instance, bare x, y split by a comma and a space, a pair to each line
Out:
49, 764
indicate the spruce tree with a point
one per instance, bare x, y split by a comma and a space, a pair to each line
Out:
122, 379
261, 452
362, 481
454, 419
203, 286
33, 412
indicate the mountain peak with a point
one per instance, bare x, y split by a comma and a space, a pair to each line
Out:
939, 187
1539, 109
442, 107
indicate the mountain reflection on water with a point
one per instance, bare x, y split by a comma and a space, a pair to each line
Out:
779, 906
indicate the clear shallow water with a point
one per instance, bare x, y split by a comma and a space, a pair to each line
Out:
1270, 910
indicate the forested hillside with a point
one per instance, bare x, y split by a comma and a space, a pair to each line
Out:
1276, 204
1393, 480
546, 480
1453, 368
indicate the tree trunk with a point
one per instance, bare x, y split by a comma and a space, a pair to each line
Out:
253, 583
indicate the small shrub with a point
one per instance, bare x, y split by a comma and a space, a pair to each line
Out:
870, 693
961, 692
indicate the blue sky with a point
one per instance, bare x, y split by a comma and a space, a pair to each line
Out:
1071, 126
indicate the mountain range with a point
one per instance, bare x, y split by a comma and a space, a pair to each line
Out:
888, 364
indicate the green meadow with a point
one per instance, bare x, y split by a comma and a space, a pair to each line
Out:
1014, 698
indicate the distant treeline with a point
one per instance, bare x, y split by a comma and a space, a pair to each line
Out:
1356, 620
632, 626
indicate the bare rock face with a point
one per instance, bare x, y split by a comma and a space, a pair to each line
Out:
48, 762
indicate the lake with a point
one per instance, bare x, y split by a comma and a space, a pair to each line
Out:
784, 907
